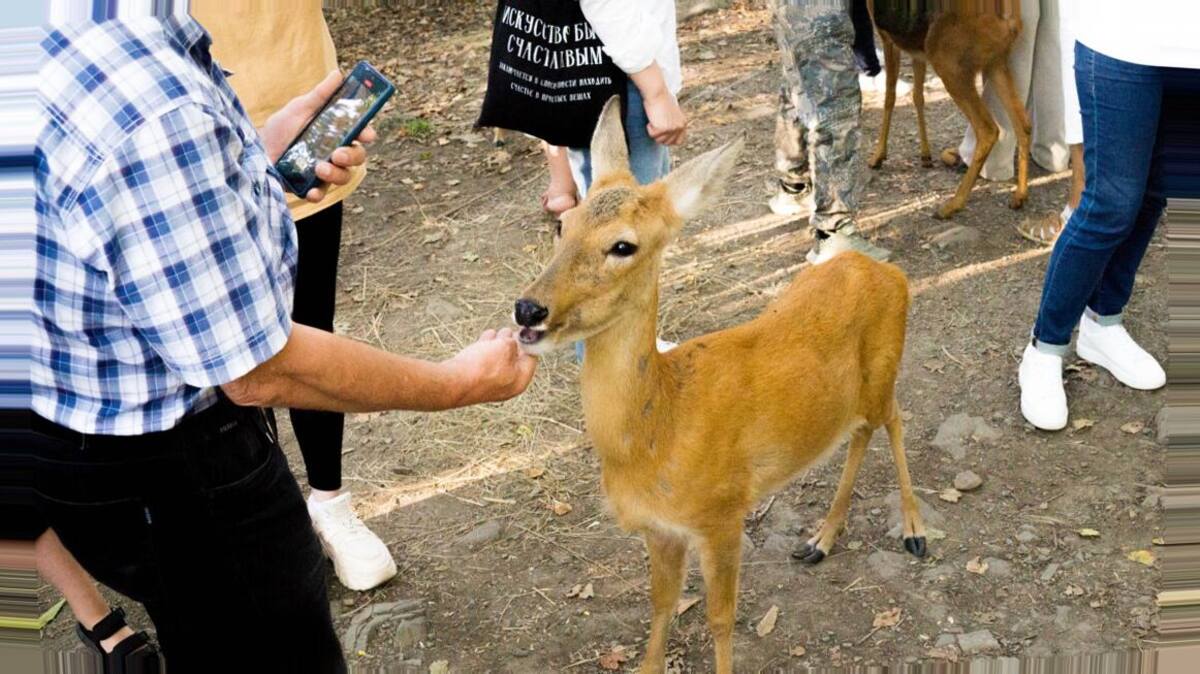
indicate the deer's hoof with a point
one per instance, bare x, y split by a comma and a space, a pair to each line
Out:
809, 554
946, 211
927, 161
876, 161
1016, 201
916, 546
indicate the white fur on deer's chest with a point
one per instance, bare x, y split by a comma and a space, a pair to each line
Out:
637, 508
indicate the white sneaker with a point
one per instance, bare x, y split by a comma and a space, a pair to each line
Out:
1111, 347
1043, 399
878, 84
665, 345
360, 560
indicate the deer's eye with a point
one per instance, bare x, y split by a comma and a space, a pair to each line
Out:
623, 249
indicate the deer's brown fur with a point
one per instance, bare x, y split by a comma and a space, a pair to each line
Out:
690, 440
960, 39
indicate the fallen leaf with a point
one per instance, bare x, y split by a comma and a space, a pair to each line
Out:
977, 566
560, 508
614, 657
950, 495
534, 472
767, 624
1133, 427
440, 667
933, 534
357, 209
1159, 541
889, 618
854, 545
575, 590
587, 592
1142, 557
1080, 424
797, 651
1088, 533
1073, 591
529, 247
470, 257
685, 604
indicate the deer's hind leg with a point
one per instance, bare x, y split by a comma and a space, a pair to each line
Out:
891, 60
817, 547
960, 84
1002, 77
918, 96
913, 526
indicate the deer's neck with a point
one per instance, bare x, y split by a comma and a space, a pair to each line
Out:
622, 381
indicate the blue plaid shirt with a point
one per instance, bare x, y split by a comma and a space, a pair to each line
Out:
165, 252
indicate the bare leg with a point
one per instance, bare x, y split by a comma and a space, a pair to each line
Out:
1077, 176
667, 555
56, 564
561, 195
720, 559
914, 528
819, 545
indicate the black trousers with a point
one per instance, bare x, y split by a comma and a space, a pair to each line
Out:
206, 527
864, 39
319, 434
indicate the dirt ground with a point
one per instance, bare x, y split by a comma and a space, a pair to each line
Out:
445, 232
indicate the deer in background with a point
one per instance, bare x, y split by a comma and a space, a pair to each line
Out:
690, 440
960, 39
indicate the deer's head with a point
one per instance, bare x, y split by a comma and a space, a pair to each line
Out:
609, 248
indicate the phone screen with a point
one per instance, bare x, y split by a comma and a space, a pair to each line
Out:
328, 130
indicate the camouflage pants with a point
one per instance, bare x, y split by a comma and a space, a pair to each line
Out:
817, 133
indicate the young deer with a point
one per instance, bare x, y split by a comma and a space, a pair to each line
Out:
690, 440
960, 38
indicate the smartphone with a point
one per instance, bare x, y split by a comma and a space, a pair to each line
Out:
341, 119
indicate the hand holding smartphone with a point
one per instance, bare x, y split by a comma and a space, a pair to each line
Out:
343, 117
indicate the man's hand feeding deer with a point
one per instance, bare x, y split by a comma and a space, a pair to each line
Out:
689, 441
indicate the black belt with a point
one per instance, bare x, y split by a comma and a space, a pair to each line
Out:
217, 419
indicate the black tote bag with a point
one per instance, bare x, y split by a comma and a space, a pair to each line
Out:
549, 76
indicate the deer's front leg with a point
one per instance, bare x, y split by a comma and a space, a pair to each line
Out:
720, 559
667, 556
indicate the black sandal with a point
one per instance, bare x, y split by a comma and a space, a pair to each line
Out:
135, 654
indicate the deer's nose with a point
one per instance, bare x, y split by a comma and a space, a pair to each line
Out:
530, 314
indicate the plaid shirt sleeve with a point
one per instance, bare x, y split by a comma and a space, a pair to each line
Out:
177, 218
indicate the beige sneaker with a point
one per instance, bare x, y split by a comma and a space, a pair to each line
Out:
360, 559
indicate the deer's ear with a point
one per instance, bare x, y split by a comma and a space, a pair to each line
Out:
697, 184
609, 151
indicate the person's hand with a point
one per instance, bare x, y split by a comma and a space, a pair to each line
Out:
668, 124
492, 369
287, 123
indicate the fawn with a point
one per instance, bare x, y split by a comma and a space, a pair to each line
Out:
690, 440
960, 38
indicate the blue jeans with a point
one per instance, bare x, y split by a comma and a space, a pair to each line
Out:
648, 160
1097, 256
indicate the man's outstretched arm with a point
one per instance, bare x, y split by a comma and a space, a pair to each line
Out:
319, 370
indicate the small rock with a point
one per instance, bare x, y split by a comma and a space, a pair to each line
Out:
978, 642
1027, 534
945, 640
1049, 572
954, 432
887, 564
956, 236
998, 567
968, 480
487, 532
